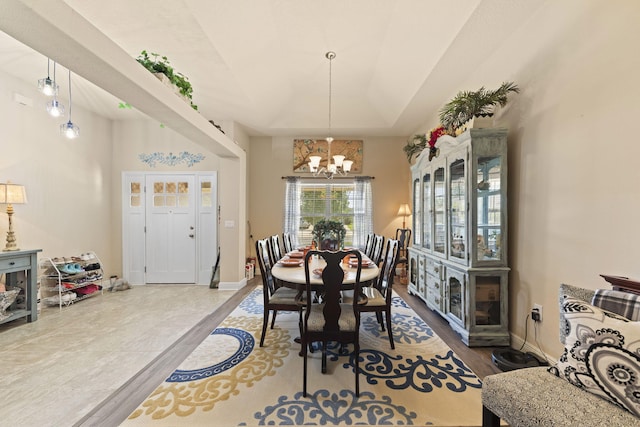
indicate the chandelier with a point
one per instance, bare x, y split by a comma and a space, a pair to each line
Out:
340, 166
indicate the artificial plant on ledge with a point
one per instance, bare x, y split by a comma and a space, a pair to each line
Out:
162, 66
466, 105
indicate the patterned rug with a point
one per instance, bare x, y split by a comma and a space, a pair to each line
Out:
230, 381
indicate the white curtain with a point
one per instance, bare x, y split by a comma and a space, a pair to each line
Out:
363, 212
292, 208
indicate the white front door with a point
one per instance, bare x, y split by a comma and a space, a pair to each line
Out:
171, 228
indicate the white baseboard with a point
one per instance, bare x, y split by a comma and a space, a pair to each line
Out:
232, 286
531, 347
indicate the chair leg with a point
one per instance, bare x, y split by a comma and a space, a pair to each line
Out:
265, 322
356, 352
304, 363
380, 319
489, 419
324, 357
273, 321
388, 316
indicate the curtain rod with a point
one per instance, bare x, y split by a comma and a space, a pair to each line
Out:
335, 177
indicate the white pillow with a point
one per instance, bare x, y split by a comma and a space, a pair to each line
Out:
602, 354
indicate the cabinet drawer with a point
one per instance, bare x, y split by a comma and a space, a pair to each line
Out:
15, 262
434, 268
434, 297
434, 283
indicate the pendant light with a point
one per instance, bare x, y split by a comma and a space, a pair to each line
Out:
68, 129
46, 85
340, 166
54, 107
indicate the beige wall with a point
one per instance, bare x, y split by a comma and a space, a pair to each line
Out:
68, 182
574, 185
271, 158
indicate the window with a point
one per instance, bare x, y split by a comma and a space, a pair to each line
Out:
349, 202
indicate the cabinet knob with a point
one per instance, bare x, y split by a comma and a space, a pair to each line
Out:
12, 263
192, 235
437, 270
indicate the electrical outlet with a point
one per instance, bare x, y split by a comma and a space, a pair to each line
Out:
536, 313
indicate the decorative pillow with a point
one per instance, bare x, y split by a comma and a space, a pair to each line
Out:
602, 354
625, 304
6, 299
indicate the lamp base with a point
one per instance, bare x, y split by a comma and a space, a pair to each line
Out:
11, 241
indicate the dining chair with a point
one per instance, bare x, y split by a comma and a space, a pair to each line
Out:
378, 297
275, 252
330, 320
287, 242
275, 298
403, 236
378, 246
368, 247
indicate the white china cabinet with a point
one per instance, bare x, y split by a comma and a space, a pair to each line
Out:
458, 257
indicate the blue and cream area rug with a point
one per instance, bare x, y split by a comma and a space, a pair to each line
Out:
230, 381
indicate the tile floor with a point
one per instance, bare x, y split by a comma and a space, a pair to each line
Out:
57, 369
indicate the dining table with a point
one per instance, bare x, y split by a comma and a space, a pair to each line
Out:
290, 271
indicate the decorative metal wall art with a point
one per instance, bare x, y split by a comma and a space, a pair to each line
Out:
171, 159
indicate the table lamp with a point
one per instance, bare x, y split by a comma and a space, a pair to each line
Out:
404, 212
11, 194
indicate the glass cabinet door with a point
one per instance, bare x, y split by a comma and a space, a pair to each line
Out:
488, 300
426, 208
489, 209
417, 214
458, 210
456, 288
438, 211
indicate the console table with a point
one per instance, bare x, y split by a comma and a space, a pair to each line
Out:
12, 263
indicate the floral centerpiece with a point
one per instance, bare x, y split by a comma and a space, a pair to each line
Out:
328, 234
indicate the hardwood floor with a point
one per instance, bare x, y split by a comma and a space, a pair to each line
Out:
477, 358
120, 404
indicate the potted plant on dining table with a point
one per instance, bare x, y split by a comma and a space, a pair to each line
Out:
328, 234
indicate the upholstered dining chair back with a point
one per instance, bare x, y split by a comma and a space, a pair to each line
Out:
379, 296
274, 248
274, 298
387, 271
287, 242
378, 247
263, 254
330, 320
368, 247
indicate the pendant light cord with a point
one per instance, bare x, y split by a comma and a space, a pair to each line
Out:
330, 56
70, 103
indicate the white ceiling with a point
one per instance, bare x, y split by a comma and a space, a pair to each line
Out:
262, 63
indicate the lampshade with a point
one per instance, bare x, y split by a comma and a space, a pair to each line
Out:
404, 210
12, 194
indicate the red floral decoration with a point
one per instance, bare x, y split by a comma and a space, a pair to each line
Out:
434, 135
